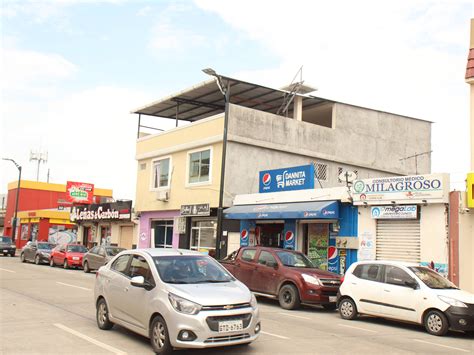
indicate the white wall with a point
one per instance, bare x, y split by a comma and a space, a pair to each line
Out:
366, 229
233, 242
434, 234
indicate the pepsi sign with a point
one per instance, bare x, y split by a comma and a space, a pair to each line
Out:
294, 178
247, 233
289, 239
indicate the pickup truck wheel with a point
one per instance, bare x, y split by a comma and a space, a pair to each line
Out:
289, 297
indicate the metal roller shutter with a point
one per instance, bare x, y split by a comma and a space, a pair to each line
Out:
398, 240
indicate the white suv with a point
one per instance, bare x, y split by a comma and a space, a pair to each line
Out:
407, 292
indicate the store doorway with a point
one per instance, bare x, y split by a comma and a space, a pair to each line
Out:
316, 244
270, 234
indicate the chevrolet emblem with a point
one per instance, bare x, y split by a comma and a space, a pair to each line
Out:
229, 306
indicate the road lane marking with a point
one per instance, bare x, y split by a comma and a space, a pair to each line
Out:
82, 288
7, 270
89, 339
444, 346
292, 315
350, 326
275, 335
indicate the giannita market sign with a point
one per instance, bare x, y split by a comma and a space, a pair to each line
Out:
432, 188
115, 211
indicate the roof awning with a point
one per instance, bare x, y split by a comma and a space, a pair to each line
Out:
298, 210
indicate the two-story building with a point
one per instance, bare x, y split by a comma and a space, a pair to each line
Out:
179, 170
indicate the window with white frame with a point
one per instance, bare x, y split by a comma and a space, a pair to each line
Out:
199, 166
163, 233
161, 173
203, 236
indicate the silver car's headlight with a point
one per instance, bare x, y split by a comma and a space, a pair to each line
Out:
452, 301
253, 301
183, 305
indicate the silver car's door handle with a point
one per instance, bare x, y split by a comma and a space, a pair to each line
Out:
387, 290
126, 289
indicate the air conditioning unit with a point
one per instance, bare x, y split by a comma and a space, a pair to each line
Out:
163, 195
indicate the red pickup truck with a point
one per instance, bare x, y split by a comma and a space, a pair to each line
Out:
284, 274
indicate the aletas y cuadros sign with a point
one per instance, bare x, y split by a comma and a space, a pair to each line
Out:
79, 192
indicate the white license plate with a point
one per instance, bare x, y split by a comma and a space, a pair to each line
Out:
75, 258
230, 326
5, 250
332, 298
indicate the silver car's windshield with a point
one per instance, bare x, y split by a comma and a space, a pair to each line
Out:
431, 278
190, 269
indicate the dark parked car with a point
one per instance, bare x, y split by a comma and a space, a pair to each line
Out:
99, 256
38, 252
286, 275
7, 247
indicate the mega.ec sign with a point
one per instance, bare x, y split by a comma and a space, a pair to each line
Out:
79, 192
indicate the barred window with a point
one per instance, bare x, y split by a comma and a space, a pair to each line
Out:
322, 172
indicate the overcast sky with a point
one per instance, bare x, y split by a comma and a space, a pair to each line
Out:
72, 70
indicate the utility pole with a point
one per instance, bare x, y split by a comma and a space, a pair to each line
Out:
18, 166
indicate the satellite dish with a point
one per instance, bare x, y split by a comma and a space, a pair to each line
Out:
348, 176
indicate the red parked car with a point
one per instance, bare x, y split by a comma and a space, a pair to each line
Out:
286, 275
68, 255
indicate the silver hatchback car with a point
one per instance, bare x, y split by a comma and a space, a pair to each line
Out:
177, 298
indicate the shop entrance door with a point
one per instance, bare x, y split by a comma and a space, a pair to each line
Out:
271, 234
318, 242
85, 236
126, 237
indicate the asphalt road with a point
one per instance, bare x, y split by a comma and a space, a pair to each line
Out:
46, 310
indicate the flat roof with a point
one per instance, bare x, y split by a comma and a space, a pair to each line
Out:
205, 100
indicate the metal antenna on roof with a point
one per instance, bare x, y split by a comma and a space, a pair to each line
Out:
289, 96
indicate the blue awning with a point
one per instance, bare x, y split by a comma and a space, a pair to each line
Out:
297, 210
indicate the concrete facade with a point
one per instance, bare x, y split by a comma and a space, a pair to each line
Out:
370, 142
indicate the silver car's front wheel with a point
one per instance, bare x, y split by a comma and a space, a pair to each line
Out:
159, 336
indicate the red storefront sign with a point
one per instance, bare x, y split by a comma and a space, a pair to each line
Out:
79, 192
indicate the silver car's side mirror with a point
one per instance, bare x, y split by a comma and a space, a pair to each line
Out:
138, 281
